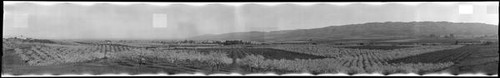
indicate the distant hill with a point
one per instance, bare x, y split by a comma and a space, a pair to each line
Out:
375, 30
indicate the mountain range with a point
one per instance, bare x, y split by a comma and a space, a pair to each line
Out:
372, 30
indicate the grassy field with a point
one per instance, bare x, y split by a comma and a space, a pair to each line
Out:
32, 57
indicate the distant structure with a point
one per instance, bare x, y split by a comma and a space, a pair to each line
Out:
293, 42
232, 42
107, 41
433, 36
449, 36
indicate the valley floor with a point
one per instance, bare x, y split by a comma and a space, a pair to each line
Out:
467, 59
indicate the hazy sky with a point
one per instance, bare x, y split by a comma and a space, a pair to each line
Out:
108, 21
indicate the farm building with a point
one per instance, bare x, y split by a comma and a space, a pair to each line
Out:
230, 42
107, 41
255, 42
292, 42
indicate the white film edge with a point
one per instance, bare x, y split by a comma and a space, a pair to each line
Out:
250, 38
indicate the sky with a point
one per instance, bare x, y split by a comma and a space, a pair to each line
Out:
178, 21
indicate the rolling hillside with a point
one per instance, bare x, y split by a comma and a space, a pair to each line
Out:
375, 30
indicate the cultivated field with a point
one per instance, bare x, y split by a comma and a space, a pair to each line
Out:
59, 57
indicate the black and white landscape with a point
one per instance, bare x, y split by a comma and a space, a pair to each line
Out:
69, 38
